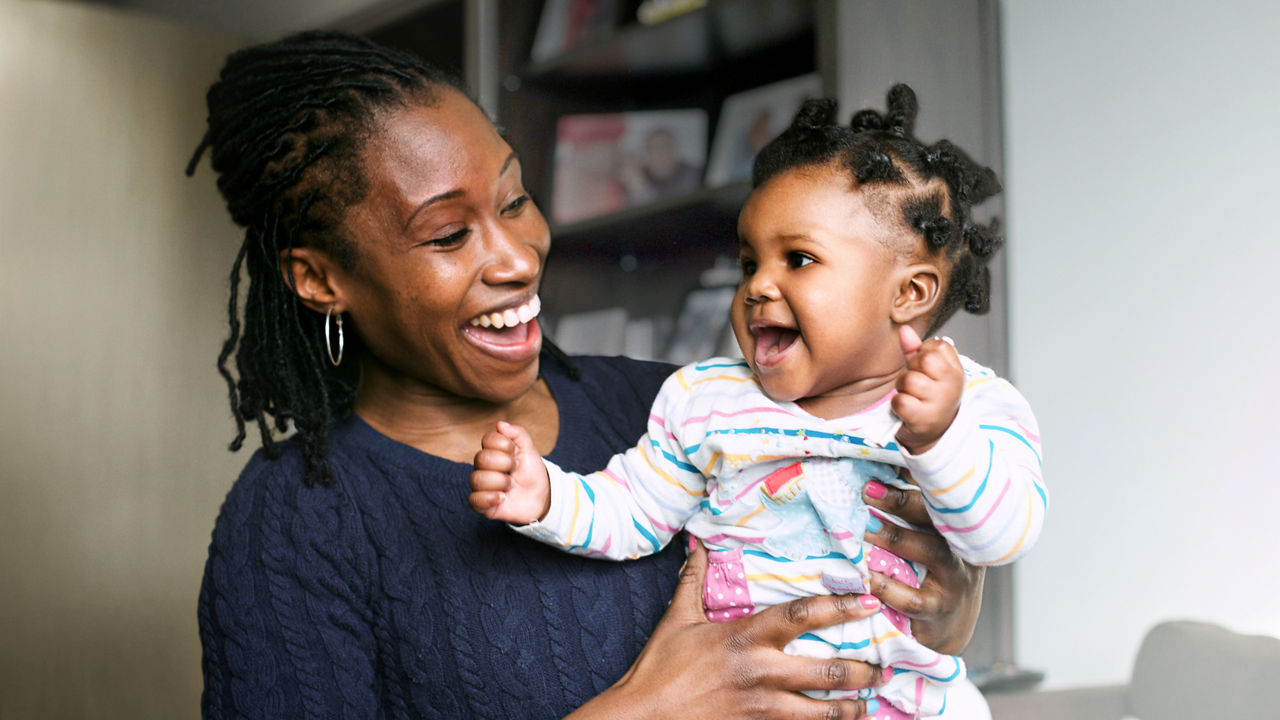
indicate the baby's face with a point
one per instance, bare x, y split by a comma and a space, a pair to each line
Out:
812, 312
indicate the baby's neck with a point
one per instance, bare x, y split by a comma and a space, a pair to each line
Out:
856, 397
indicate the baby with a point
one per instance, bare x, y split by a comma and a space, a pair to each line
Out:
855, 242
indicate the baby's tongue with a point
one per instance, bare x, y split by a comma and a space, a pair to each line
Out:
772, 342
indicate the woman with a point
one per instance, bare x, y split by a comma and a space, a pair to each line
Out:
347, 576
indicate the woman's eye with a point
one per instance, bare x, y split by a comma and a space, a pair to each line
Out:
516, 205
798, 260
451, 239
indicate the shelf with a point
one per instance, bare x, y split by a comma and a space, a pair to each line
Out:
699, 41
704, 218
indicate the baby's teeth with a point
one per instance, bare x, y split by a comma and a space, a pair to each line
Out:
510, 318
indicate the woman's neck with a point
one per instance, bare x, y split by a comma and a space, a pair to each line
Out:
449, 426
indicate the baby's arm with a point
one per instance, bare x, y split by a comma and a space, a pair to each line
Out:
631, 508
980, 475
509, 482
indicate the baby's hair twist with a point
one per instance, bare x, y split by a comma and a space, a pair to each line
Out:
934, 187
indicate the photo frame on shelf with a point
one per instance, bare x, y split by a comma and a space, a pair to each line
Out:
702, 328
565, 24
606, 162
752, 118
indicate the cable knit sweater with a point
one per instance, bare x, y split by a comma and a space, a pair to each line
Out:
385, 596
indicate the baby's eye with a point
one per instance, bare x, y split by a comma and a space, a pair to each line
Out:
798, 260
747, 266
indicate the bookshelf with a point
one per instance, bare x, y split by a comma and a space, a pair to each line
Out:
645, 259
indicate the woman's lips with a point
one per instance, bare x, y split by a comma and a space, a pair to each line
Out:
512, 334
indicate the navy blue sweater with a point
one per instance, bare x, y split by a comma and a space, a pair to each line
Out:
385, 596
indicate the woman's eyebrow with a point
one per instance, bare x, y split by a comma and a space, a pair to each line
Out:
451, 194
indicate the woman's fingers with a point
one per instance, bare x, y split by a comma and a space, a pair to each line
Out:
906, 504
783, 623
926, 548
797, 674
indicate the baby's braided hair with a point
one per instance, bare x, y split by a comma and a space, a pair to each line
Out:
286, 125
933, 187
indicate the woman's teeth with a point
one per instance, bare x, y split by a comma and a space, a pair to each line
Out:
511, 316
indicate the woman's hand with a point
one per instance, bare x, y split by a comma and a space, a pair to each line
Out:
737, 669
944, 610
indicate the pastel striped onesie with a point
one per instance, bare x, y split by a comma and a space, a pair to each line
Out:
776, 495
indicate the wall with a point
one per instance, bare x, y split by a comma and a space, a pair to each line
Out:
1142, 163
114, 427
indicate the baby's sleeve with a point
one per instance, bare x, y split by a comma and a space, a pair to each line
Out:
637, 503
982, 481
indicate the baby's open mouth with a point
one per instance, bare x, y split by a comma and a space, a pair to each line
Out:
773, 342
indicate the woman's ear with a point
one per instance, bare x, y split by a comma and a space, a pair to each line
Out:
919, 292
312, 275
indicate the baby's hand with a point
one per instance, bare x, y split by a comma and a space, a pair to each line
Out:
929, 392
510, 482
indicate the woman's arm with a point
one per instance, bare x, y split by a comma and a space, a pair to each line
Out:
944, 610
736, 669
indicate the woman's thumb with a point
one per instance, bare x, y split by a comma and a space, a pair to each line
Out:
686, 605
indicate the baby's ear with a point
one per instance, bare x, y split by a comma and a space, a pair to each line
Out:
919, 292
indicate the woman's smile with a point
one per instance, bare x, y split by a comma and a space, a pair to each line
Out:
512, 334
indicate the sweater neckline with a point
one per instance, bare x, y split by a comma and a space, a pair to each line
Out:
355, 432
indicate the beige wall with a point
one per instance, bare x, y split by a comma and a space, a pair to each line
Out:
113, 423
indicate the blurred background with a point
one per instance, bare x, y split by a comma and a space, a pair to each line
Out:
1136, 140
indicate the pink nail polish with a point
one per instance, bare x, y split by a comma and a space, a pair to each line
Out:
869, 602
885, 674
875, 490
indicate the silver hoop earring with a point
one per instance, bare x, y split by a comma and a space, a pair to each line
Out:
328, 344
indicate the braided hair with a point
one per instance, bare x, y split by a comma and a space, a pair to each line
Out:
931, 188
286, 125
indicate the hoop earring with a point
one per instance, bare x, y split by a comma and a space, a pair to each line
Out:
328, 344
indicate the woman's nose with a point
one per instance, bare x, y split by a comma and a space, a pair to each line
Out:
514, 259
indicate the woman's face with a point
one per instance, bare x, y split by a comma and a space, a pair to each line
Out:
450, 255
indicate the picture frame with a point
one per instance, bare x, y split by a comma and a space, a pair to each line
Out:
606, 162
565, 24
750, 119
702, 328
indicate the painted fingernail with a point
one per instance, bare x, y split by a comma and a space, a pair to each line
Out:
875, 490
885, 674
874, 524
869, 602
873, 706
692, 543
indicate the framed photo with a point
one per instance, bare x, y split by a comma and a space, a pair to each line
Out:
610, 161
702, 328
565, 24
750, 119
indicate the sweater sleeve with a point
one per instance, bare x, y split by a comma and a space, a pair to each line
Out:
636, 504
982, 480
284, 630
